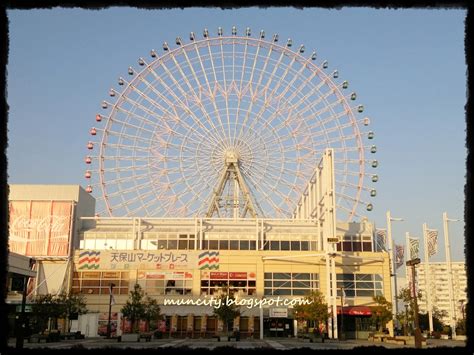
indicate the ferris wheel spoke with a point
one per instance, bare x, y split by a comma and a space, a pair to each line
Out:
210, 92
175, 116
183, 93
198, 98
256, 89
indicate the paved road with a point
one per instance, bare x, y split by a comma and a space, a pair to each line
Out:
274, 343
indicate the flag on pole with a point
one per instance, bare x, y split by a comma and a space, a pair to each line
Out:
399, 255
414, 247
380, 237
432, 241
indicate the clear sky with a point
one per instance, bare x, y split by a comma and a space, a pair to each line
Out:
407, 67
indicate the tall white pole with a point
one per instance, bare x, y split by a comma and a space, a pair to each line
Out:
427, 278
452, 310
394, 268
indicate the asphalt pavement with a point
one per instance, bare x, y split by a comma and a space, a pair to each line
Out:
268, 343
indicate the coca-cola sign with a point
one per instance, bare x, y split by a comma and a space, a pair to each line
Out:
39, 225
40, 228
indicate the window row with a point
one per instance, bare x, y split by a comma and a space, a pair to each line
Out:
360, 285
294, 245
244, 287
355, 243
98, 283
290, 284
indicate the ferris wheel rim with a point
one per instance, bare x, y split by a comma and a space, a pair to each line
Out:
220, 41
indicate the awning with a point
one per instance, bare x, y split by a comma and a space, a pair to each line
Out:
355, 311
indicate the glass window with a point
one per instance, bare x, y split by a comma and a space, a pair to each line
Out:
285, 245
234, 245
183, 244
161, 244
301, 276
356, 246
172, 244
365, 293
244, 245
367, 246
253, 245
295, 245
304, 246
281, 276
300, 284
275, 245
223, 245
300, 292
214, 244
281, 283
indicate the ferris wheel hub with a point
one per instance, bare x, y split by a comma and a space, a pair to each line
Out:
231, 156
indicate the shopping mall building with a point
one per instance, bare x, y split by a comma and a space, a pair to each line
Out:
271, 260
188, 260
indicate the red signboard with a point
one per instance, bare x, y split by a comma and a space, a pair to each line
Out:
40, 228
355, 311
237, 275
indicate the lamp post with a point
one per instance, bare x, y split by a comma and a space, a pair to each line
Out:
412, 263
341, 336
406, 320
452, 310
110, 310
393, 265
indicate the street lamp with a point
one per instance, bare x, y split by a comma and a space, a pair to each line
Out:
406, 320
394, 267
412, 263
341, 336
112, 285
450, 272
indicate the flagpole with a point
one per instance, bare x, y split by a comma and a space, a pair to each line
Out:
452, 318
428, 280
394, 268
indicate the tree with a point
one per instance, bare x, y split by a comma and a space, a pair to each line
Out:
134, 308
438, 325
381, 312
46, 307
461, 327
72, 306
315, 311
151, 310
227, 310
405, 295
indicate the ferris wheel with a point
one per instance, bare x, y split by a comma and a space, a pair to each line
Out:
230, 125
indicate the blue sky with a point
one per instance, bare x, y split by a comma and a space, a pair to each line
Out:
407, 67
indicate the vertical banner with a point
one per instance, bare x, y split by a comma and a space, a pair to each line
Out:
414, 247
432, 242
40, 228
381, 236
399, 256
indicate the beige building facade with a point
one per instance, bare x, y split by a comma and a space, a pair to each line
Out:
187, 261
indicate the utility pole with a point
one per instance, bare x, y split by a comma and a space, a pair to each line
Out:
412, 263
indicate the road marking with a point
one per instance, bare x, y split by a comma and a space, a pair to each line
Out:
274, 344
173, 343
